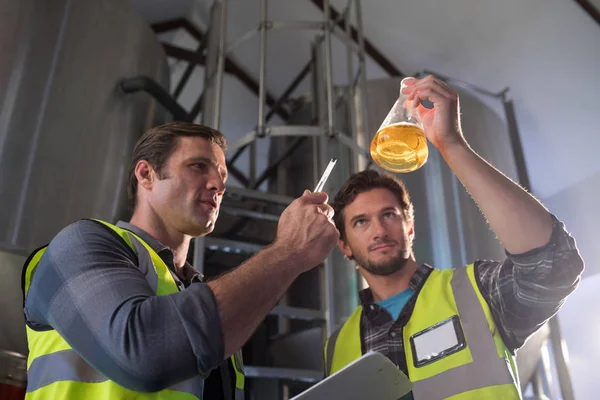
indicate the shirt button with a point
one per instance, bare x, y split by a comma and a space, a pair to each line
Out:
372, 307
393, 334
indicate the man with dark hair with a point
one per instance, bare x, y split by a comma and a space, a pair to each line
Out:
454, 332
116, 312
159, 143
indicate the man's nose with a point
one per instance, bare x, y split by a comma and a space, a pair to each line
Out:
216, 183
378, 230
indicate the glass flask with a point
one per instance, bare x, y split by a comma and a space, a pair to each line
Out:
400, 144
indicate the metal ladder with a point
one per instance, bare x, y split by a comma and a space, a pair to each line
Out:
216, 55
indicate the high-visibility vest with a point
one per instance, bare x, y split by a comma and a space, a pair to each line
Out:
56, 371
474, 364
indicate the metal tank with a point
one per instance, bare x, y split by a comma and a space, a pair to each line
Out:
66, 132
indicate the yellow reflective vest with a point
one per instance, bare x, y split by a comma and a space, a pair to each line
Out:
452, 346
55, 370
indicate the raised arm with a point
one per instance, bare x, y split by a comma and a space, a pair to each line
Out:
519, 221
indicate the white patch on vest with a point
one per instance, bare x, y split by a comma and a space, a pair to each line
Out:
430, 344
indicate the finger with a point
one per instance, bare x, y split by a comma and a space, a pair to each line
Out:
326, 210
435, 84
407, 84
428, 78
440, 82
315, 198
423, 111
428, 93
337, 232
408, 81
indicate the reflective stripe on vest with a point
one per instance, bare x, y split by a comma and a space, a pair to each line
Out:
66, 365
490, 371
238, 367
52, 362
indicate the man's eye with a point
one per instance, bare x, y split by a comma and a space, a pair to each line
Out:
389, 215
359, 222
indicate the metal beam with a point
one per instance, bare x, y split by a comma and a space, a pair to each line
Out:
168, 26
590, 9
182, 54
197, 107
145, 84
241, 212
272, 168
231, 246
515, 141
305, 314
371, 50
190, 70
178, 23
273, 198
262, 70
251, 84
298, 375
287, 92
230, 66
237, 174
236, 155
559, 349
214, 69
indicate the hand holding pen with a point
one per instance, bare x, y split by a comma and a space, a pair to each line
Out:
306, 225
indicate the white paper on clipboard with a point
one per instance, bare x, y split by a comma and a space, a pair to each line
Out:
372, 376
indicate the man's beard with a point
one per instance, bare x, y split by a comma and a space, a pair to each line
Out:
395, 264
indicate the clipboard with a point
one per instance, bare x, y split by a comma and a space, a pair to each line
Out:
372, 376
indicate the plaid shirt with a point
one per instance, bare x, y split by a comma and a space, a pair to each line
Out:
523, 292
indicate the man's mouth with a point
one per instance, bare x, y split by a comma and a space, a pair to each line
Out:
211, 203
381, 246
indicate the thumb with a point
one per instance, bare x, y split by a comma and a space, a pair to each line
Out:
316, 197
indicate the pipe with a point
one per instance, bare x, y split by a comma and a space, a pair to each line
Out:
328, 70
262, 70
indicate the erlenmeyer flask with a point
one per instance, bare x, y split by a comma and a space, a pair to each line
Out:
400, 144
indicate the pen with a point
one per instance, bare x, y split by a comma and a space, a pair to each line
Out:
325, 175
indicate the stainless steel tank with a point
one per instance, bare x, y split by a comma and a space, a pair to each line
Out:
66, 132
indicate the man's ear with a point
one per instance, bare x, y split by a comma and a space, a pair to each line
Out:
346, 250
145, 174
411, 231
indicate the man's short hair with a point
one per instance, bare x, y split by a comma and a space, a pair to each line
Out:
157, 145
363, 182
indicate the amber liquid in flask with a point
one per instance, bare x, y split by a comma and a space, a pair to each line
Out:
400, 147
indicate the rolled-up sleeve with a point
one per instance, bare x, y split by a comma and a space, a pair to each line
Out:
525, 290
88, 288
